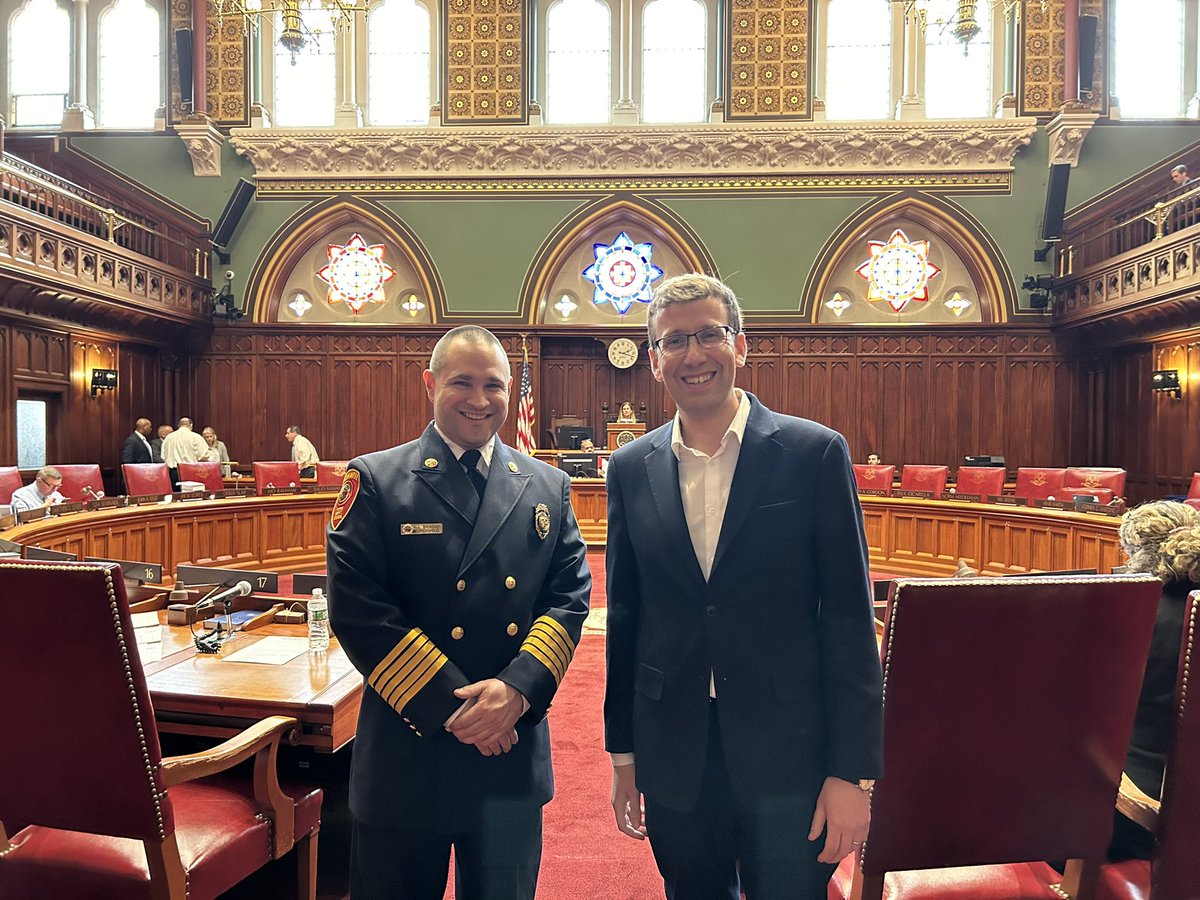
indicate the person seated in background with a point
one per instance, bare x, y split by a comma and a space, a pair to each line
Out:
42, 491
626, 414
216, 450
872, 459
586, 446
1161, 538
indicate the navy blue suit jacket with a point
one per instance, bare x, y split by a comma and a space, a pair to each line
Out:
784, 622
431, 589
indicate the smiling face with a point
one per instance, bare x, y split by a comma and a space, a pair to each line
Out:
469, 392
700, 379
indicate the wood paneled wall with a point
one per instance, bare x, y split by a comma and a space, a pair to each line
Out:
928, 396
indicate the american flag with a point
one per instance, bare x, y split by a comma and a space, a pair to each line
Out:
526, 419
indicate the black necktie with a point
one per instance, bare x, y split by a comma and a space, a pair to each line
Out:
470, 461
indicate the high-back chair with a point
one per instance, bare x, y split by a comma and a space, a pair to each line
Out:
1005, 730
924, 478
1039, 483
1174, 874
146, 478
987, 481
875, 477
103, 814
10, 480
1194, 488
331, 471
275, 474
1103, 484
207, 473
80, 481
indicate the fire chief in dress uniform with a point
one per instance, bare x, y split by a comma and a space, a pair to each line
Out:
458, 586
744, 696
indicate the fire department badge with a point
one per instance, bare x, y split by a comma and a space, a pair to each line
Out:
541, 520
345, 498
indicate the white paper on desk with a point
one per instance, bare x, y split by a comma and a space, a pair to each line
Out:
149, 644
145, 620
273, 651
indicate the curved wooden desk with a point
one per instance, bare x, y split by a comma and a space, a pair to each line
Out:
280, 533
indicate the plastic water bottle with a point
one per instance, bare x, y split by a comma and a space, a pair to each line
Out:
318, 622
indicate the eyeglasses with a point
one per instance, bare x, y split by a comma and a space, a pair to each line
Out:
709, 338
48, 483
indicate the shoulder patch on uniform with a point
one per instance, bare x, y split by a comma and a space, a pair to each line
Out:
345, 498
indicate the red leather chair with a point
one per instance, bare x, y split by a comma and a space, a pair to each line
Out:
1193, 502
146, 478
78, 477
924, 478
1004, 751
1039, 484
987, 481
10, 480
875, 478
107, 816
1091, 478
275, 474
1174, 873
207, 473
1192, 494
331, 472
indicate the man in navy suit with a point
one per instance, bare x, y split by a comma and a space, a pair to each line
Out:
458, 586
743, 700
136, 448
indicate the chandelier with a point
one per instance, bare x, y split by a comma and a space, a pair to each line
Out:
963, 23
295, 28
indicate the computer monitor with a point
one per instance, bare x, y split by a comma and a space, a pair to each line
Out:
983, 461
579, 465
569, 436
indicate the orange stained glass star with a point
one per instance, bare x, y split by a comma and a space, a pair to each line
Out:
356, 273
898, 270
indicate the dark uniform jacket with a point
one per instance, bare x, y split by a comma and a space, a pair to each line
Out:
431, 589
134, 450
784, 622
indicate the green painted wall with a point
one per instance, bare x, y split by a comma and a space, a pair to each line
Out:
763, 246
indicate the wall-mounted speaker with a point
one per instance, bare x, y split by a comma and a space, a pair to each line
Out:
183, 56
1056, 202
243, 193
1089, 27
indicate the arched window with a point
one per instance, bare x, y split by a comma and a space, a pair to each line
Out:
1148, 47
130, 79
305, 82
958, 77
39, 61
398, 63
858, 62
674, 55
578, 63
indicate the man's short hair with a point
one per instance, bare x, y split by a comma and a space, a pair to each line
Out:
49, 472
293, 429
185, 422
474, 334
140, 422
1179, 169
687, 288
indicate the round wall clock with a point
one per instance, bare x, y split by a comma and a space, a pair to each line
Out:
622, 353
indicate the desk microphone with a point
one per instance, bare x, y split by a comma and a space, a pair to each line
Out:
87, 489
241, 589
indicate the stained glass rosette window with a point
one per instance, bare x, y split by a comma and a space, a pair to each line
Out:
898, 270
356, 273
622, 273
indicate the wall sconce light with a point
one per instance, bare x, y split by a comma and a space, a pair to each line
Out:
1166, 381
103, 380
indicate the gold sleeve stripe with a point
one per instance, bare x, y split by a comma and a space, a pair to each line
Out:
409, 666
549, 643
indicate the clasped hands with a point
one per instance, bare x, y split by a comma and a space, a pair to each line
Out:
489, 720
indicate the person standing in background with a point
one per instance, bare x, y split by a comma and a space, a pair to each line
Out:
156, 444
136, 448
304, 454
182, 445
216, 450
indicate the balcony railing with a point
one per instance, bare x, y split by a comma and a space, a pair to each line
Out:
49, 195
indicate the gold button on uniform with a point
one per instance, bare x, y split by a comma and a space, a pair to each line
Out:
462, 584
511, 629
456, 632
510, 582
431, 463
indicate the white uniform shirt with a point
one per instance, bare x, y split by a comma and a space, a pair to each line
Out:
304, 454
183, 445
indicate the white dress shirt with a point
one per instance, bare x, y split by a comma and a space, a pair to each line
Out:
29, 497
183, 445
304, 454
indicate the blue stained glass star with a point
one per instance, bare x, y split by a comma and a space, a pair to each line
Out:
622, 273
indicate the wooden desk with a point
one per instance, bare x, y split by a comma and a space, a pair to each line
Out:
204, 694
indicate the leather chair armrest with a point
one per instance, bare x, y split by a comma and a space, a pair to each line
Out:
1136, 805
260, 740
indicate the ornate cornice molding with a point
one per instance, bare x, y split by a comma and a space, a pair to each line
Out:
293, 160
203, 140
1067, 132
